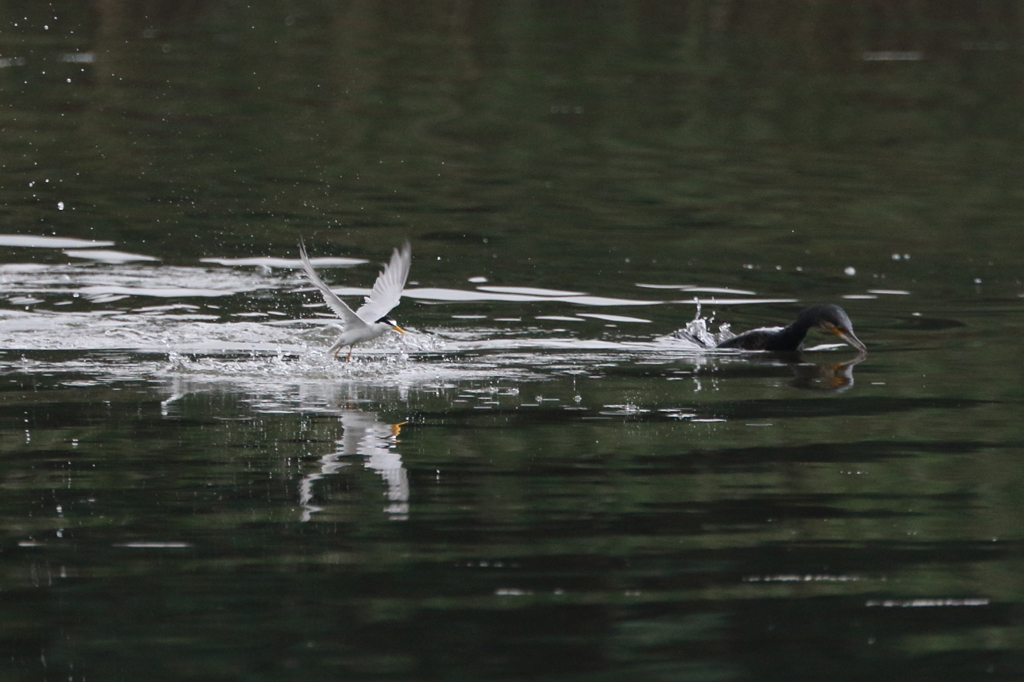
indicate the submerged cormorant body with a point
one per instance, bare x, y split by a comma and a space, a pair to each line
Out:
829, 317
782, 339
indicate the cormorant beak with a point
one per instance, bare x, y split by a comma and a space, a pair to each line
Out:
402, 331
847, 336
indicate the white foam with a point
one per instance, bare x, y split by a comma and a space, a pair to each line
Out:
33, 242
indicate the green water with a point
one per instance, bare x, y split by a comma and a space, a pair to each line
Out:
533, 485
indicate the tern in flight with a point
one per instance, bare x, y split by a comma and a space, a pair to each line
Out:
371, 320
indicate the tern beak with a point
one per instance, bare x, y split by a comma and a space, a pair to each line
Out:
850, 339
398, 329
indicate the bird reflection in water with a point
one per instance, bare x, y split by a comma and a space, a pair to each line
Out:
366, 436
832, 377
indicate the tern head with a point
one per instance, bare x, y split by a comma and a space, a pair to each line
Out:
387, 321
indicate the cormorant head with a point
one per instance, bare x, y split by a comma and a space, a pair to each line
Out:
834, 319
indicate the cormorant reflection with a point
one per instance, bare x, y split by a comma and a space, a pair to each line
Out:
364, 435
834, 377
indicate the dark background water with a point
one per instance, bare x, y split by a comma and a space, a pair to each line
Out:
190, 495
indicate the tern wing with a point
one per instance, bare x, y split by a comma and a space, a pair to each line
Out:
336, 304
387, 290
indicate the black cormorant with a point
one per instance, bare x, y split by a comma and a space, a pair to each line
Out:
829, 317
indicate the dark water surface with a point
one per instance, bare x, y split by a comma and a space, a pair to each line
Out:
537, 482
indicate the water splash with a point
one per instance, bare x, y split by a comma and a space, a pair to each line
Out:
697, 332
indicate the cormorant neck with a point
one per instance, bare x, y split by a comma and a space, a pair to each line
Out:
801, 326
790, 337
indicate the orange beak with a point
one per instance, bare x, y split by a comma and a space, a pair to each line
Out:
849, 338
